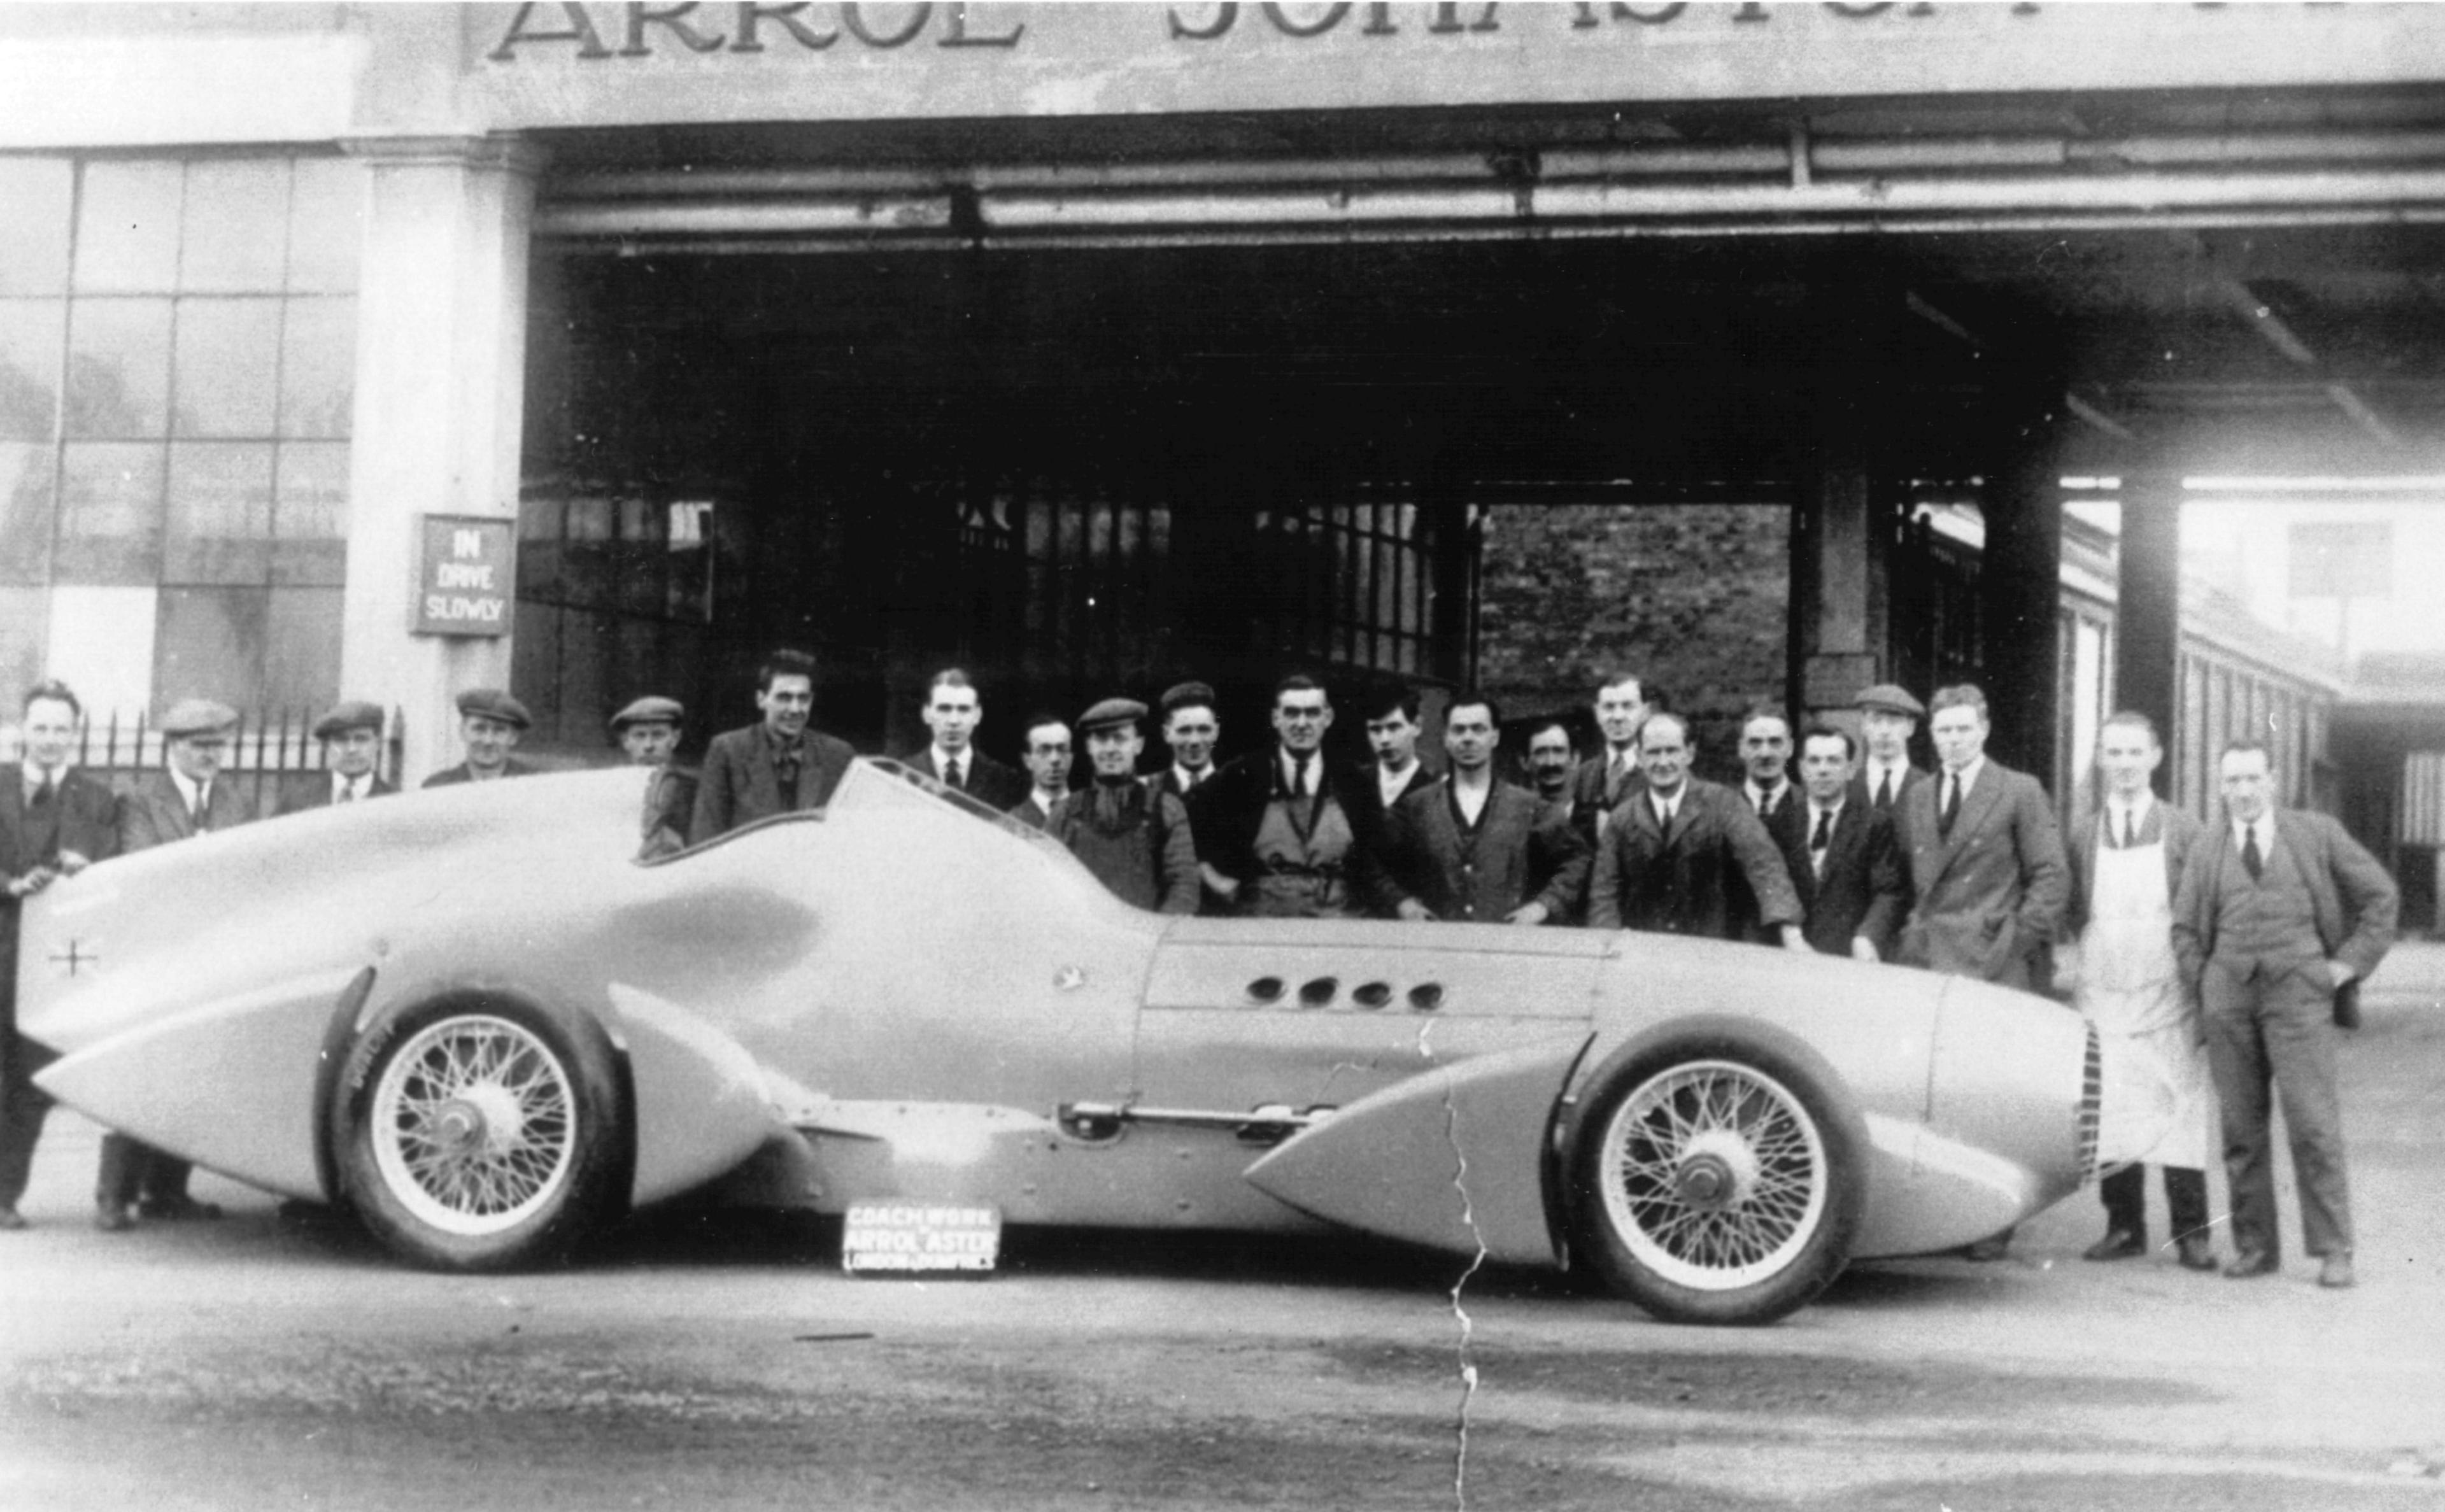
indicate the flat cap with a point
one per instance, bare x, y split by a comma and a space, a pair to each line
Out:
651, 709
1109, 712
1183, 695
197, 716
356, 714
495, 703
1892, 699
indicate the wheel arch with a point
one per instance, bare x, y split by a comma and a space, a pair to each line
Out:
1704, 1034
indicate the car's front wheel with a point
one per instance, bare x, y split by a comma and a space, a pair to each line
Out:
1716, 1179
483, 1135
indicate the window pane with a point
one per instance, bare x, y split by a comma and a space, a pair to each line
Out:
100, 643
110, 514
300, 666
22, 611
118, 368
219, 514
30, 333
310, 513
326, 225
318, 367
26, 472
236, 229
127, 227
34, 233
228, 363
211, 646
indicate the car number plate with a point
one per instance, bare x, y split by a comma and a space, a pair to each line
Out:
919, 1239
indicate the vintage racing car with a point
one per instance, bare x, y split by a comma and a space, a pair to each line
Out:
472, 1017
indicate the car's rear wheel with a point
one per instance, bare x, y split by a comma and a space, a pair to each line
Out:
1716, 1180
483, 1135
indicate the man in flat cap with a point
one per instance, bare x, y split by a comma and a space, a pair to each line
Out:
953, 710
351, 737
189, 798
778, 765
54, 822
648, 732
1889, 717
1129, 831
490, 725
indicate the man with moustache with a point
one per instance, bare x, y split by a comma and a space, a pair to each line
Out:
1047, 757
351, 737
1129, 831
490, 725
1550, 761
1473, 849
1845, 866
1671, 847
1272, 827
953, 710
54, 822
779, 764
648, 732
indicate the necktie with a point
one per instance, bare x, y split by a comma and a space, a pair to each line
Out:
1885, 790
42, 791
203, 807
2130, 828
956, 774
1759, 801
1952, 806
1299, 778
1614, 773
1824, 835
2251, 859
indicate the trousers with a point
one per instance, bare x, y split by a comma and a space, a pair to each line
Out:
2270, 1037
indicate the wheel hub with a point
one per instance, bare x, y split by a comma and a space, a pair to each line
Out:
481, 1119
1706, 1181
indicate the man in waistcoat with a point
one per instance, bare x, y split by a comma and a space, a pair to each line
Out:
1129, 831
2127, 860
2280, 917
54, 822
1471, 848
1272, 827
778, 765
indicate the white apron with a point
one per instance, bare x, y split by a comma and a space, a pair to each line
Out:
2130, 988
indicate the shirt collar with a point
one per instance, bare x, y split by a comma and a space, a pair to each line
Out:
32, 777
1757, 795
2138, 807
1666, 807
1968, 775
1833, 808
185, 785
353, 786
1287, 763
943, 760
1188, 779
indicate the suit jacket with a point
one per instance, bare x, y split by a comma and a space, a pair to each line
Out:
1913, 779
319, 795
1589, 805
1362, 799
2351, 899
153, 813
739, 782
1987, 897
1026, 813
1227, 807
1525, 851
1863, 890
2176, 829
669, 812
452, 776
990, 783
1679, 882
1782, 824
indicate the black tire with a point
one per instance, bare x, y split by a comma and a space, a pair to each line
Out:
482, 1134
1716, 1177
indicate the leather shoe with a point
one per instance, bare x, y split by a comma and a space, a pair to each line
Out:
2195, 1253
12, 1219
2336, 1271
2251, 1262
174, 1208
2119, 1244
113, 1218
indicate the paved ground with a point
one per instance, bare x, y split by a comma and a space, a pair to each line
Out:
714, 1362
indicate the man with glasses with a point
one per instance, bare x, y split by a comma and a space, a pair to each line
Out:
1047, 757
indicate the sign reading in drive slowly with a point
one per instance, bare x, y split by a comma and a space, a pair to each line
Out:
463, 578
918, 1238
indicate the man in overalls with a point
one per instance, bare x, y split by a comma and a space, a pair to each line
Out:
1272, 831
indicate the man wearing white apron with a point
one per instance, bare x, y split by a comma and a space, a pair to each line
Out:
2126, 863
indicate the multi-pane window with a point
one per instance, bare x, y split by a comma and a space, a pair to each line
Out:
178, 354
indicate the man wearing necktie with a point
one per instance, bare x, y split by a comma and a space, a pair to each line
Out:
352, 738
1846, 867
1047, 756
952, 711
192, 797
778, 765
1889, 716
1609, 777
54, 822
2281, 915
1273, 835
1767, 787
2126, 863
1672, 846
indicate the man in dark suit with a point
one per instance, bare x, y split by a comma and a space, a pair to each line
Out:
1889, 716
1986, 859
1611, 776
953, 710
1047, 756
1843, 862
648, 732
54, 822
490, 725
1470, 849
1670, 848
189, 799
2127, 858
1273, 827
2280, 917
351, 737
1191, 729
778, 765
1393, 732
1766, 764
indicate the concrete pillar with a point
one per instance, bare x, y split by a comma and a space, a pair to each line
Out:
2148, 601
440, 389
2020, 578
1840, 531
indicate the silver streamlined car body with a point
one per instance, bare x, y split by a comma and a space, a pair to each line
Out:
472, 1017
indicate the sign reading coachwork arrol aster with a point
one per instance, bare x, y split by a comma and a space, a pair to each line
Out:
575, 63
464, 576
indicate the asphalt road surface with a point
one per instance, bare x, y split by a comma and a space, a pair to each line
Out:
712, 1360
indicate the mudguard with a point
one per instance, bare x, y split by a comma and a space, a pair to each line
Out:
700, 1103
1453, 1158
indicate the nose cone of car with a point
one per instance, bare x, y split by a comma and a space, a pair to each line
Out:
2013, 1075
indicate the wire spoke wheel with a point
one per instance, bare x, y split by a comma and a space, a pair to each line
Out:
1713, 1175
473, 1124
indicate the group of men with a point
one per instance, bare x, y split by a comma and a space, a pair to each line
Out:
2222, 957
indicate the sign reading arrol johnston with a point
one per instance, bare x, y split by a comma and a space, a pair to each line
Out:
464, 576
